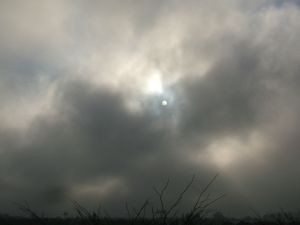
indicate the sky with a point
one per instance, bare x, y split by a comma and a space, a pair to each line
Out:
102, 100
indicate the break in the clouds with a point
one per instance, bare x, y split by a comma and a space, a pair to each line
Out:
101, 100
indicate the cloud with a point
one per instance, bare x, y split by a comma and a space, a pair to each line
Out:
77, 123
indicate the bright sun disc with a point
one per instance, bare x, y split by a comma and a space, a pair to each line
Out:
164, 103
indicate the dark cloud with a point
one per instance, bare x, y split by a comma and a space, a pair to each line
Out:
231, 82
280, 3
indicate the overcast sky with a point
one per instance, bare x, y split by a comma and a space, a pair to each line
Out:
101, 100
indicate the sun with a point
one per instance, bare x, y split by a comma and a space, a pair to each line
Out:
164, 102
156, 90
154, 84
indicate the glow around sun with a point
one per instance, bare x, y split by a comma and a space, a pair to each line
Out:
155, 88
154, 84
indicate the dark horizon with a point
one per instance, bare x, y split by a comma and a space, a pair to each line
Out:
102, 100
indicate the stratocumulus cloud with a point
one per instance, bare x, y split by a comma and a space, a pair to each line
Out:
100, 100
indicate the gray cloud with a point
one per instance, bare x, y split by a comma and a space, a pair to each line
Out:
77, 122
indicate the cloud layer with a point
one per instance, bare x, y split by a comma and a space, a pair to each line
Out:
77, 122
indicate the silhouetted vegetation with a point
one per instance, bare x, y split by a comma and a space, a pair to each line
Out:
149, 213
